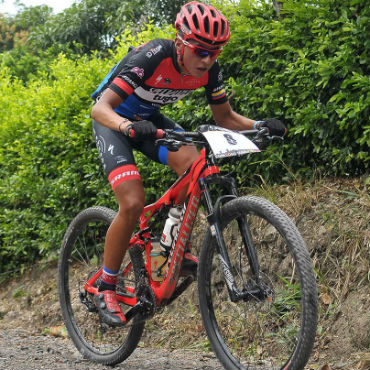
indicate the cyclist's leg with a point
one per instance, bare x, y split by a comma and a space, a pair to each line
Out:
178, 161
131, 198
181, 160
116, 154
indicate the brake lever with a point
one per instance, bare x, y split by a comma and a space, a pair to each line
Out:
263, 132
275, 138
171, 145
263, 137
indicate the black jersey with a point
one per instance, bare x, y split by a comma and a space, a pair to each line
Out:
149, 77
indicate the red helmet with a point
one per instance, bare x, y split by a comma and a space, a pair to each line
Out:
203, 23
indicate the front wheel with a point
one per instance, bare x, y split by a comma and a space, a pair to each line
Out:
81, 257
273, 323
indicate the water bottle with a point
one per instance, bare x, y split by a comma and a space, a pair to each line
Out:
158, 257
170, 227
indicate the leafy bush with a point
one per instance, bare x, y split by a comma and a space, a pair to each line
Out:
50, 167
309, 68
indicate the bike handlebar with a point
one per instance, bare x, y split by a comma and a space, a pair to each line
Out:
159, 135
173, 140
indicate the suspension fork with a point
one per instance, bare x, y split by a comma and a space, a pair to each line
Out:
214, 220
246, 234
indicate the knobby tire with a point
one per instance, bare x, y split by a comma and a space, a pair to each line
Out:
81, 256
273, 333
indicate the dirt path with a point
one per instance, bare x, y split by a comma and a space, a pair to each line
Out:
20, 350
337, 212
29, 310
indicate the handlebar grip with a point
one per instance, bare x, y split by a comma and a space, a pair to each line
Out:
158, 135
131, 133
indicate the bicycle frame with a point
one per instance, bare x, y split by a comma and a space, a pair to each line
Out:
201, 168
238, 230
196, 180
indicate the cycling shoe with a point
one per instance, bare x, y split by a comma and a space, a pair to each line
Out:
108, 308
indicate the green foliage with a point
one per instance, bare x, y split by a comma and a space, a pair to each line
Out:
50, 168
47, 158
14, 29
26, 64
86, 26
310, 68
139, 11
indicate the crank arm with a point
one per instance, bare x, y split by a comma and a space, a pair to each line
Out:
143, 307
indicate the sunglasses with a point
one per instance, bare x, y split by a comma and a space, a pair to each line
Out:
202, 52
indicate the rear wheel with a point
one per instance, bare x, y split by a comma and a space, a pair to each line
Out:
273, 326
81, 257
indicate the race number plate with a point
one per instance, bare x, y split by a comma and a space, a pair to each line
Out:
227, 143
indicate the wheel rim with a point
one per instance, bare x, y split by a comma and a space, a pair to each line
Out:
259, 333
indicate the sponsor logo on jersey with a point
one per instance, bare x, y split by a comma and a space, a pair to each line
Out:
133, 84
220, 76
153, 51
110, 149
138, 71
170, 92
123, 173
161, 96
158, 79
218, 88
166, 80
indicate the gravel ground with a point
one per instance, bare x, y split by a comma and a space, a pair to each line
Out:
20, 350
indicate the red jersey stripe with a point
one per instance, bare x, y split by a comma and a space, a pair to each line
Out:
123, 85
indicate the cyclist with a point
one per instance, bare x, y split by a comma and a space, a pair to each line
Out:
128, 102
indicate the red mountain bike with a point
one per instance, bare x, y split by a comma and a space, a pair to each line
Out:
256, 285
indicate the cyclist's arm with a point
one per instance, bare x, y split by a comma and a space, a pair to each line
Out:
224, 116
103, 111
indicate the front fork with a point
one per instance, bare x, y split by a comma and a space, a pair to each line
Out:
214, 219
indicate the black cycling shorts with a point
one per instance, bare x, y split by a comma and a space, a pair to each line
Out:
115, 149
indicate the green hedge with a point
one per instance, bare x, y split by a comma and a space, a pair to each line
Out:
309, 68
50, 167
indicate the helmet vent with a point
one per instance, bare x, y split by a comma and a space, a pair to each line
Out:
186, 24
195, 21
223, 26
200, 7
213, 13
215, 30
206, 25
